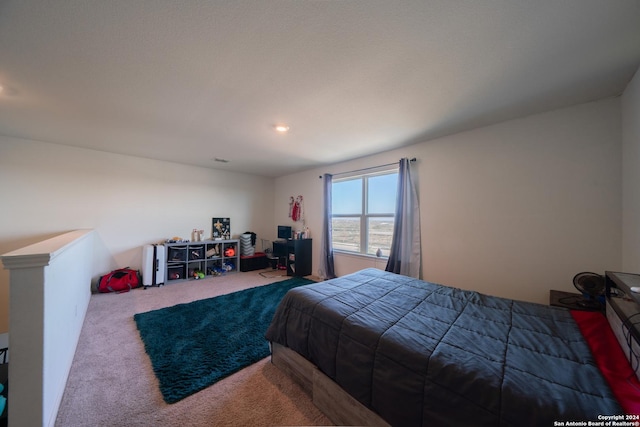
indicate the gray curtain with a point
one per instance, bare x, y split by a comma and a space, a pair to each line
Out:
326, 270
406, 256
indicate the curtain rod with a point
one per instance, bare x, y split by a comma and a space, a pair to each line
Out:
369, 168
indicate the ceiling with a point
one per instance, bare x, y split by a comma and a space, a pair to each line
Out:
192, 80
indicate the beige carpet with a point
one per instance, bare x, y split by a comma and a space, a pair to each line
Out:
112, 383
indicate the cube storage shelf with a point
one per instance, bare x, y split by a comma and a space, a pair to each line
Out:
209, 257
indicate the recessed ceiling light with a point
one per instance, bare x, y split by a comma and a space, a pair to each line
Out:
281, 128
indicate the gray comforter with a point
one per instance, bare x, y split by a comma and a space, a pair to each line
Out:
418, 353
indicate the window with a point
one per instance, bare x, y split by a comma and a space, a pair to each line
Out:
363, 210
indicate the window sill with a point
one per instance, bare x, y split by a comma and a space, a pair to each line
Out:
359, 255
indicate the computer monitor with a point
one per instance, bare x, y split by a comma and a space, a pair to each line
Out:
284, 232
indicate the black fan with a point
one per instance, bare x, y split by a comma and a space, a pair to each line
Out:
592, 287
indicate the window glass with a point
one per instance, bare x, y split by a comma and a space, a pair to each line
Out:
380, 231
346, 197
346, 234
363, 212
382, 194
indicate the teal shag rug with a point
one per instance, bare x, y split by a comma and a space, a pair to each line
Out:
194, 345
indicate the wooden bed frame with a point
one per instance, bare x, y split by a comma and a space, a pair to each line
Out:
340, 407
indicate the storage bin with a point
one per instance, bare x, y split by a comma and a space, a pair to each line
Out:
256, 262
196, 252
177, 253
176, 272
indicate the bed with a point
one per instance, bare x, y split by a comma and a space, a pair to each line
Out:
378, 348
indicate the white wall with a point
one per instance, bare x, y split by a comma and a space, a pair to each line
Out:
48, 189
631, 176
514, 209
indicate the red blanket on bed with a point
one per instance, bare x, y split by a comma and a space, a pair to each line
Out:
610, 359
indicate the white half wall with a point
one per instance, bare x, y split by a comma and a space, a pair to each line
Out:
48, 189
631, 176
50, 291
513, 210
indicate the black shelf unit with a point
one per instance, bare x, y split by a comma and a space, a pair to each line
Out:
295, 254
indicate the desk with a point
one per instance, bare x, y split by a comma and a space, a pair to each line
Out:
295, 254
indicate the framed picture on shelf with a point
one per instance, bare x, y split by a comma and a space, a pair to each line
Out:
221, 228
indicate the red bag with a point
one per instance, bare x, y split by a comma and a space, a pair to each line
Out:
120, 280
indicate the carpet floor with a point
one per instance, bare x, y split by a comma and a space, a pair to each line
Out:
194, 345
112, 383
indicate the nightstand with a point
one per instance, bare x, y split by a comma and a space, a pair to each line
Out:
572, 301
